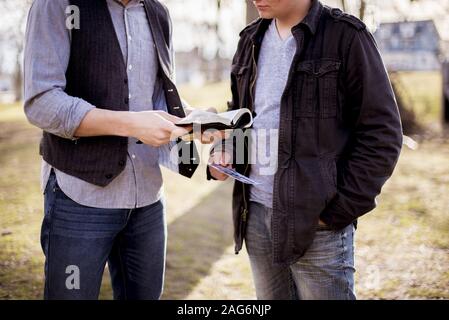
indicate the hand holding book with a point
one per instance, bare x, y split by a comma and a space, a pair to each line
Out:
237, 119
213, 125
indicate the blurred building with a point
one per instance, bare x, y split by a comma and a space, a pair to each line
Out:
205, 36
410, 45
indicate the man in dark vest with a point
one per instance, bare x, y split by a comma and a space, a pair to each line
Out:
102, 91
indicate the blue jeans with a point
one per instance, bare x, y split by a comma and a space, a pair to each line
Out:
78, 241
325, 272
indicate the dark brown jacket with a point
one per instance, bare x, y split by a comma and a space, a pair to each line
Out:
340, 132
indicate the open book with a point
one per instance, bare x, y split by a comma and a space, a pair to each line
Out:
237, 119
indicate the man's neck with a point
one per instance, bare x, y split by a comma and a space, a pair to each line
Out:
292, 18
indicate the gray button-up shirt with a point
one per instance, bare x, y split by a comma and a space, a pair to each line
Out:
47, 106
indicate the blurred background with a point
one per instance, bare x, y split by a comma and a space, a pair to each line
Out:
402, 247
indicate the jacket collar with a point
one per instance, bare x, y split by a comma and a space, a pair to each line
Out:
312, 19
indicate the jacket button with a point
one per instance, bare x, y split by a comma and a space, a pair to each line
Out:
121, 163
109, 176
125, 80
126, 100
336, 13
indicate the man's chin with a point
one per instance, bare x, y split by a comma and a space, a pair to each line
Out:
266, 15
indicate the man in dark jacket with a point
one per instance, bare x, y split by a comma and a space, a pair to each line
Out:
321, 97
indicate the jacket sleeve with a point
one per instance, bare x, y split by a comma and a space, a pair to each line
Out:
376, 140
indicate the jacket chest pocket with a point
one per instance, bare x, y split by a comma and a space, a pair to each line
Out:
316, 94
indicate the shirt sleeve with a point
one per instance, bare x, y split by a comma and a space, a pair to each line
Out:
47, 54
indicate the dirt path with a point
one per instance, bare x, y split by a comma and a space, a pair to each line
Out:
402, 247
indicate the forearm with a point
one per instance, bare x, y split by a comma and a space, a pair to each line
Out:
154, 128
100, 122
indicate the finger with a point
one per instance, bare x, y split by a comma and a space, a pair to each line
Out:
217, 174
223, 162
177, 132
212, 109
169, 117
227, 134
227, 157
210, 136
207, 138
215, 158
213, 135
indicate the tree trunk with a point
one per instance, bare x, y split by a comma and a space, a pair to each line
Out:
251, 12
445, 70
362, 9
216, 72
410, 125
18, 80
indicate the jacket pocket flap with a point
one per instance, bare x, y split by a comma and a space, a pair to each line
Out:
318, 68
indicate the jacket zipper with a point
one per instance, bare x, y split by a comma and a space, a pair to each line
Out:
251, 91
244, 216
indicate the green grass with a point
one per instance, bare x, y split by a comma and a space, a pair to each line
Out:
425, 91
402, 247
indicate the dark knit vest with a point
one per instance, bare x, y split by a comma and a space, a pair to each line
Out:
97, 74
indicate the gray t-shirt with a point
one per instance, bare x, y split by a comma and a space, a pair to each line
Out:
274, 64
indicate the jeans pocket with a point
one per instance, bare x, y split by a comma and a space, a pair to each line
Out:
257, 238
49, 204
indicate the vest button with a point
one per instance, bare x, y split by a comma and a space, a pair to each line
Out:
109, 176
121, 163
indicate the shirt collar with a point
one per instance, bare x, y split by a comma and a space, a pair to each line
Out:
131, 3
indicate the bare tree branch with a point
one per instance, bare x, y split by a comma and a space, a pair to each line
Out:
343, 5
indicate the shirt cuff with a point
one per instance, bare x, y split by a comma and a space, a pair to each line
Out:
77, 114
